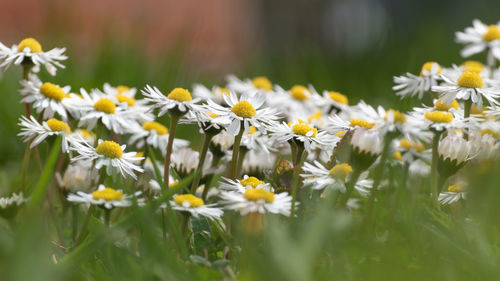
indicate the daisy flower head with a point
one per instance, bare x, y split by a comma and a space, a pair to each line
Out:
411, 85
318, 176
411, 150
155, 135
216, 93
185, 161
78, 176
46, 98
178, 101
454, 152
195, 206
257, 84
435, 120
243, 184
334, 101
206, 120
301, 133
32, 130
453, 194
468, 86
298, 102
243, 112
221, 143
105, 197
366, 146
480, 37
257, 200
109, 154
125, 97
29, 51
14, 199
258, 161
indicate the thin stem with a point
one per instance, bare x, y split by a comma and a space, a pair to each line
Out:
236, 149
84, 227
26, 71
434, 171
349, 187
298, 167
215, 161
206, 142
107, 217
174, 120
241, 158
74, 222
467, 108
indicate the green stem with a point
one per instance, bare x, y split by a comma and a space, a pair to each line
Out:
349, 187
236, 149
208, 181
74, 222
174, 120
298, 167
379, 170
107, 217
241, 158
467, 109
434, 171
85, 224
206, 142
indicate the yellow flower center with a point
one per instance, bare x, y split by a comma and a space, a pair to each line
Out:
317, 115
489, 132
361, 123
139, 154
397, 115
122, 89
58, 126
473, 66
440, 105
303, 130
105, 105
409, 145
340, 171
109, 149
244, 109
299, 92
256, 194
193, 201
159, 128
439, 117
224, 91
252, 131
475, 110
454, 188
180, 95
123, 98
428, 67
174, 183
397, 156
492, 34
338, 97
32, 43
341, 134
261, 82
52, 91
251, 181
470, 79
85, 133
107, 194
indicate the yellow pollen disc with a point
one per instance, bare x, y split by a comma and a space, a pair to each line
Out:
398, 116
473, 66
109, 149
397, 156
440, 105
261, 82
340, 134
52, 91
428, 67
122, 89
251, 181
77, 179
489, 132
105, 105
439, 117
256, 194
317, 115
475, 110
174, 183
108, 194
302, 129
159, 128
299, 92
193, 201
139, 154
361, 123
492, 34
338, 97
58, 126
180, 95
244, 109
252, 131
409, 145
454, 188
123, 98
32, 43
340, 171
470, 79
85, 133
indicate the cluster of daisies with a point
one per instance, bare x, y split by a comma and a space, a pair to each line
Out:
263, 146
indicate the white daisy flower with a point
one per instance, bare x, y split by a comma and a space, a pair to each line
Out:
454, 151
332, 100
425, 119
106, 197
319, 177
30, 50
257, 200
45, 97
480, 37
78, 176
35, 132
245, 111
366, 141
303, 133
298, 102
109, 154
206, 120
178, 99
258, 161
243, 184
216, 93
254, 139
195, 206
185, 161
125, 97
154, 134
469, 85
455, 193
411, 85
14, 199
257, 84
